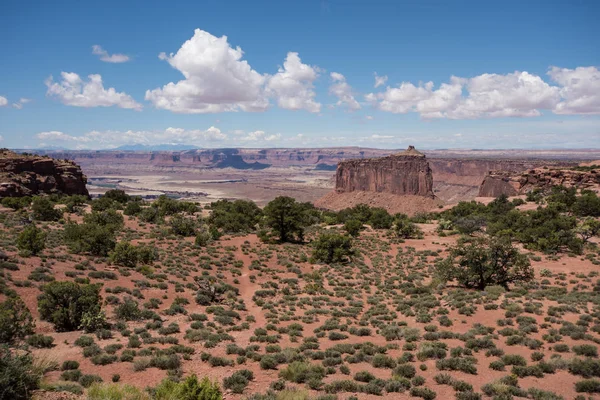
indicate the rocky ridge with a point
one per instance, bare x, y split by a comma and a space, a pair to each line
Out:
26, 175
497, 183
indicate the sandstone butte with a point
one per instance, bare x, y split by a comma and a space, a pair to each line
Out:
497, 183
405, 173
399, 183
26, 175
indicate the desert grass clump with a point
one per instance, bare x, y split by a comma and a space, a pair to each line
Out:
103, 391
189, 388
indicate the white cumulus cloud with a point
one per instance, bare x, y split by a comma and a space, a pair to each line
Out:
109, 58
517, 94
74, 91
342, 90
580, 90
216, 79
3, 101
292, 85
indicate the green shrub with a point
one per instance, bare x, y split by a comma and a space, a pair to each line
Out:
84, 341
383, 361
457, 364
89, 238
405, 228
109, 219
16, 203
129, 310
423, 392
40, 341
481, 262
301, 372
16, 321
268, 362
188, 389
238, 381
133, 208
332, 248
64, 304
287, 218
443, 379
69, 364
125, 254
514, 359
182, 226
353, 227
43, 210
72, 375
106, 391
31, 240
342, 386
497, 365
588, 386
19, 376
117, 195
234, 216
405, 370
585, 367
587, 350
88, 380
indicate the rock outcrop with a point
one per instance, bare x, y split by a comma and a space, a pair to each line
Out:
497, 183
405, 173
26, 175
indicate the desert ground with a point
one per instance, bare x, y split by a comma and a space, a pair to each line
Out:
378, 326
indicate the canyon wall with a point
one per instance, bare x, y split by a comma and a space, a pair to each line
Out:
406, 173
26, 175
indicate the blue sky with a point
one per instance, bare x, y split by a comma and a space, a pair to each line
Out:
452, 74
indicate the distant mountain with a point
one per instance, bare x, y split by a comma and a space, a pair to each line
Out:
156, 147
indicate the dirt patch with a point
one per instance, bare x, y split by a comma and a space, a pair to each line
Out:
409, 205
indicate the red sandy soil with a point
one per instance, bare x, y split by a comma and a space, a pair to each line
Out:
561, 383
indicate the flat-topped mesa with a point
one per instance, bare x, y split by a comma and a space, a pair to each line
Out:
404, 173
27, 175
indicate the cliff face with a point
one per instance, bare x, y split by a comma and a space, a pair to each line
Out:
497, 183
24, 175
406, 173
